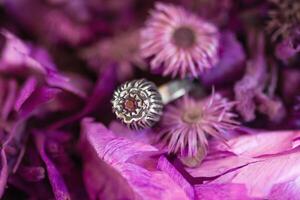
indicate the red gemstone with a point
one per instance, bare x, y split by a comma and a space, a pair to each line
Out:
130, 105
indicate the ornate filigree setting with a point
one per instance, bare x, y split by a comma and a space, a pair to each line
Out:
138, 104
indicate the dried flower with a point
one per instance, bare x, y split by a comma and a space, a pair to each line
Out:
256, 90
186, 125
29, 85
122, 49
179, 41
284, 19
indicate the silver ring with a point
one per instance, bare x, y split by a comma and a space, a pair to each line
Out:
139, 103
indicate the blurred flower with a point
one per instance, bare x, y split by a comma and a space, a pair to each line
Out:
97, 101
118, 168
271, 157
284, 24
122, 49
215, 11
285, 51
284, 19
186, 125
29, 84
231, 62
290, 84
250, 90
54, 24
64, 175
178, 42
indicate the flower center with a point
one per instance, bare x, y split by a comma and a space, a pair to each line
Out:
191, 117
184, 37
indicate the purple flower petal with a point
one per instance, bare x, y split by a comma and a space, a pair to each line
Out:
167, 167
10, 90
285, 51
16, 55
25, 92
58, 186
222, 192
120, 153
214, 167
3, 172
99, 97
287, 190
250, 90
40, 96
263, 143
146, 135
271, 157
56, 80
230, 65
267, 172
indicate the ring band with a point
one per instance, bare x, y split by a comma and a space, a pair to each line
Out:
174, 90
139, 103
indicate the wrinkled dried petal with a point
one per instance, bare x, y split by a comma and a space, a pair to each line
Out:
58, 186
117, 152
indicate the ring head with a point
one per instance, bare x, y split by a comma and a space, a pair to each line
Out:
138, 104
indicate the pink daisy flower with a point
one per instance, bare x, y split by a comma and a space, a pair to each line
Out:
179, 42
185, 126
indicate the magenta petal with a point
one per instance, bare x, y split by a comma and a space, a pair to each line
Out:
222, 192
152, 185
110, 148
100, 95
101, 180
10, 88
218, 166
58, 186
167, 167
56, 80
230, 65
16, 55
287, 190
25, 92
3, 172
40, 96
118, 153
103, 89
146, 135
267, 172
265, 162
284, 50
244, 150
263, 143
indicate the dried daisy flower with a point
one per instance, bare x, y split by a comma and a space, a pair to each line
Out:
285, 19
185, 126
179, 42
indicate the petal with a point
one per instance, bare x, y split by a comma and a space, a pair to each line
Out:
167, 167
221, 192
230, 66
146, 135
57, 183
287, 190
119, 153
268, 172
3, 173
38, 97
214, 167
261, 143
25, 92
110, 148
